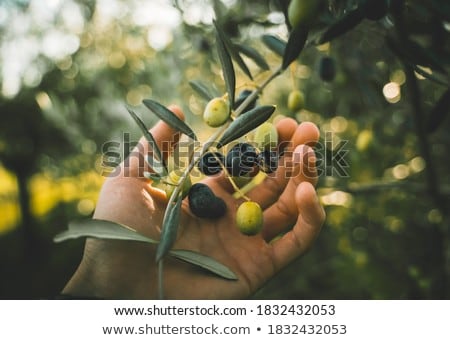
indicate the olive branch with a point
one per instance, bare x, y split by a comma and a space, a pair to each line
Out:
241, 121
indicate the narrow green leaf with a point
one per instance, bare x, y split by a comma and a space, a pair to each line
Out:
156, 166
274, 43
254, 55
414, 58
153, 177
433, 76
101, 229
201, 88
422, 56
169, 117
205, 262
169, 229
246, 123
220, 9
148, 136
233, 50
295, 44
439, 112
343, 25
227, 66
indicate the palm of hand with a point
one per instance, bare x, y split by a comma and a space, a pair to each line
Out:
128, 270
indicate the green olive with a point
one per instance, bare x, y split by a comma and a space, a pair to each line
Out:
249, 218
296, 100
171, 181
266, 136
241, 181
217, 112
364, 140
303, 12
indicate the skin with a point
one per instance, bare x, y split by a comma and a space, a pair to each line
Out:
126, 269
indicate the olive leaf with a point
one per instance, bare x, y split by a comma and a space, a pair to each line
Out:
153, 177
343, 25
227, 67
201, 88
274, 43
113, 231
295, 44
158, 162
220, 9
433, 76
156, 165
245, 123
170, 224
439, 112
232, 50
205, 262
169, 117
414, 55
421, 56
254, 55
101, 229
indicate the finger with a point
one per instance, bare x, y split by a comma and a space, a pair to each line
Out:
166, 139
285, 128
282, 214
307, 133
311, 216
274, 184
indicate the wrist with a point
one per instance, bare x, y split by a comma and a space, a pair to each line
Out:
113, 269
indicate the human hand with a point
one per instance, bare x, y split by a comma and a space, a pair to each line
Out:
124, 269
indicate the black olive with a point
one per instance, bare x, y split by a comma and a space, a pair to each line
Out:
210, 163
268, 161
241, 159
203, 203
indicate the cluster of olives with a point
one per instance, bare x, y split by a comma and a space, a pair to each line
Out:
238, 162
241, 160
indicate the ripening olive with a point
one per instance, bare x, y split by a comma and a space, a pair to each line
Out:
241, 181
303, 12
296, 100
241, 159
203, 202
211, 163
327, 69
266, 136
171, 181
249, 218
364, 140
217, 112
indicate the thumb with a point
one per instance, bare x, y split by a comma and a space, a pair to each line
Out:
309, 222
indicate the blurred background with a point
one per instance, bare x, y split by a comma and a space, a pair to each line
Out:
69, 68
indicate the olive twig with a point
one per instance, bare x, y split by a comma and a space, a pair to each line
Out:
210, 142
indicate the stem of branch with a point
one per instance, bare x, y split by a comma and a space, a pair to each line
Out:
430, 170
160, 279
